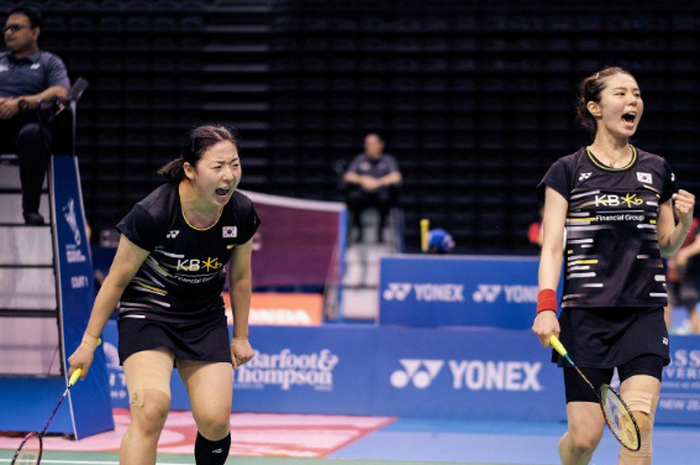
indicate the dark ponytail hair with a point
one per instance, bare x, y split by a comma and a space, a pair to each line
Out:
589, 91
198, 142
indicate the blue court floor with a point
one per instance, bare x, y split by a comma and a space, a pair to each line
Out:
470, 442
435, 442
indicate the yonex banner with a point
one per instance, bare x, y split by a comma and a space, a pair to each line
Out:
472, 374
465, 373
432, 291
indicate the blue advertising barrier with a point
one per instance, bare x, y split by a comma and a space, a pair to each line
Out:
449, 373
680, 388
329, 372
359, 370
432, 291
89, 403
468, 374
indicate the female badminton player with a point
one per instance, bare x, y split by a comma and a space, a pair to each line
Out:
166, 281
616, 203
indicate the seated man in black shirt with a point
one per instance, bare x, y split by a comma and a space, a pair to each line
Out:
371, 180
28, 75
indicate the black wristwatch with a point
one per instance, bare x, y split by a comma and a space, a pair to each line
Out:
23, 104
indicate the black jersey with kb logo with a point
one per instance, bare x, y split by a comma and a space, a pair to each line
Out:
612, 256
183, 277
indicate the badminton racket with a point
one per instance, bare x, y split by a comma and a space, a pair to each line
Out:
30, 450
617, 415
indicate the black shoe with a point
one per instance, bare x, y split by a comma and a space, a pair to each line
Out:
33, 219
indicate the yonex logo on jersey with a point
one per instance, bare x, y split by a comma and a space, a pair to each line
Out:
487, 292
644, 177
584, 176
172, 234
218, 451
419, 372
35, 66
228, 232
397, 291
664, 340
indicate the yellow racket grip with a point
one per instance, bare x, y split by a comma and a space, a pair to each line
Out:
424, 225
76, 374
75, 377
558, 346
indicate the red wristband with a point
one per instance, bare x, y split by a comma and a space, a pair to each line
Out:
547, 300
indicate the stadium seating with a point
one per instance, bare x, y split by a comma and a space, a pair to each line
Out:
474, 98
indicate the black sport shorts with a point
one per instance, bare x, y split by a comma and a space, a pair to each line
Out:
578, 391
205, 341
610, 337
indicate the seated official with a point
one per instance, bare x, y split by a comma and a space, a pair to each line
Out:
28, 76
372, 180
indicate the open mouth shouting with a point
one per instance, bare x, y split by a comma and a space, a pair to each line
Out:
223, 193
629, 119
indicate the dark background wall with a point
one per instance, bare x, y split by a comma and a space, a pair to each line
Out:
475, 98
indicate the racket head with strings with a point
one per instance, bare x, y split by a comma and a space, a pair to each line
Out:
619, 418
29, 451
617, 415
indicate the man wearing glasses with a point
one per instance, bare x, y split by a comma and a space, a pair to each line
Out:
28, 76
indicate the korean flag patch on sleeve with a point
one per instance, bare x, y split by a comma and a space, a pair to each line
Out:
229, 232
644, 177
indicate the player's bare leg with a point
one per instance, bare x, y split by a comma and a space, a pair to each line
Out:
586, 425
148, 380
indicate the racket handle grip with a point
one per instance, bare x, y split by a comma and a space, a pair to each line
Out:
557, 345
75, 377
76, 374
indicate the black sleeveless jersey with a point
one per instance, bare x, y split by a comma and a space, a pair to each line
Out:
183, 277
612, 256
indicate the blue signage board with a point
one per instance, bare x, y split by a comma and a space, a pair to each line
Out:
302, 368
446, 373
486, 374
318, 371
432, 291
680, 388
90, 401
26, 404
